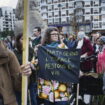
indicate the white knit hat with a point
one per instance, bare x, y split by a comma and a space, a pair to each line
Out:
81, 35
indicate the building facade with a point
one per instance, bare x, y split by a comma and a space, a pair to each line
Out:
7, 19
86, 14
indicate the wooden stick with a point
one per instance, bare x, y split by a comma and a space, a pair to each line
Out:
77, 94
25, 51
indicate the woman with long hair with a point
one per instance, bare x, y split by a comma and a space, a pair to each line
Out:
53, 92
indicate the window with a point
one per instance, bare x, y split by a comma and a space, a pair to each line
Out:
56, 20
44, 9
55, 1
63, 12
50, 14
103, 25
64, 20
56, 7
63, 0
87, 18
96, 18
103, 17
49, 1
71, 4
87, 3
50, 21
87, 11
88, 28
96, 2
44, 16
63, 6
50, 7
71, 11
79, 5
43, 1
79, 19
103, 10
56, 13
96, 25
95, 10
79, 12
70, 18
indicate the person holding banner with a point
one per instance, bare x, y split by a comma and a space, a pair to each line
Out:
53, 92
10, 75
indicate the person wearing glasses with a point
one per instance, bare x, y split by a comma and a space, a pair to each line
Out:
53, 92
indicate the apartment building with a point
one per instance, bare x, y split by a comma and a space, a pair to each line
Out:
7, 18
86, 14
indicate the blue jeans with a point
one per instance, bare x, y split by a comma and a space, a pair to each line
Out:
55, 103
33, 93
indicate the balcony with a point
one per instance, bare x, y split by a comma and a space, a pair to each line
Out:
103, 4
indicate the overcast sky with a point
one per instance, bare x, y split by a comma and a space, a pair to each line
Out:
10, 3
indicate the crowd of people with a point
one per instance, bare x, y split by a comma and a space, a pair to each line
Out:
47, 92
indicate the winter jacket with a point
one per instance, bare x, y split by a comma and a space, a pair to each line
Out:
9, 75
86, 66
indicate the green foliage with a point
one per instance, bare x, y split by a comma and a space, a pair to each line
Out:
6, 33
